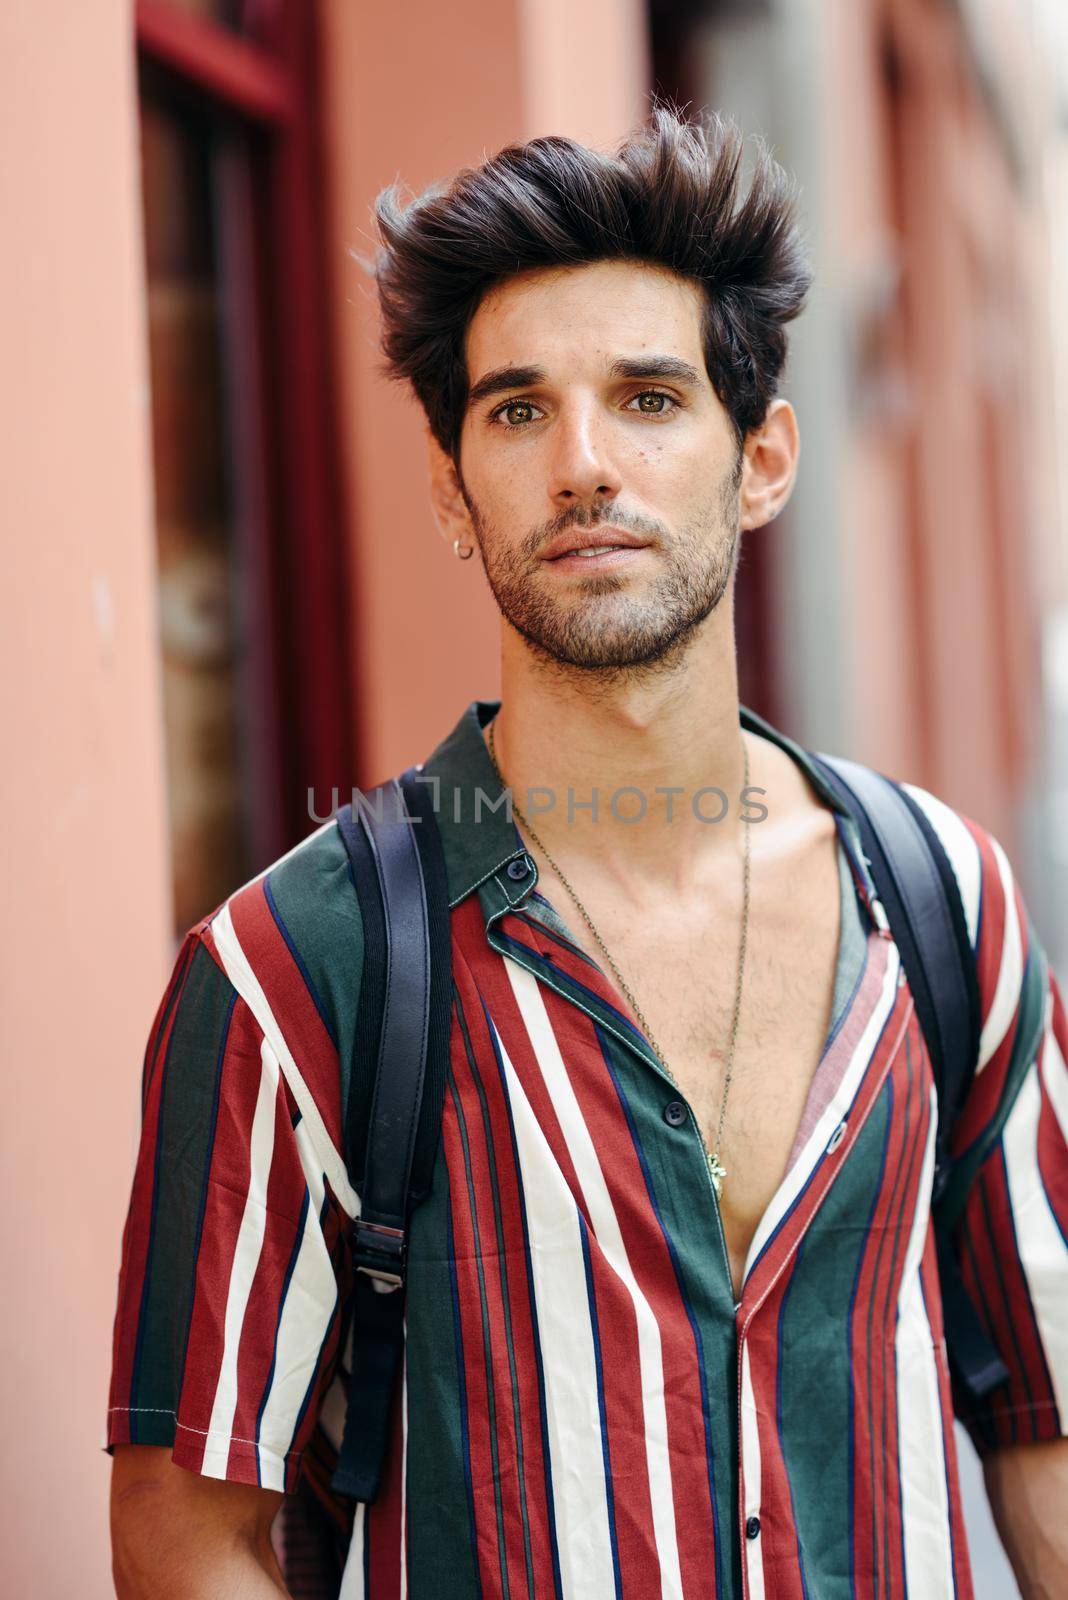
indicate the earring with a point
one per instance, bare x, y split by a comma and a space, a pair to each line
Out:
463, 552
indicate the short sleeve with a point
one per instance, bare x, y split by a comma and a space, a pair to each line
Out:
227, 1323
1008, 1187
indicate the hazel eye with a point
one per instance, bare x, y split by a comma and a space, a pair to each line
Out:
653, 403
515, 413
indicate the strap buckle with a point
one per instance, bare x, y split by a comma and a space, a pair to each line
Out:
379, 1252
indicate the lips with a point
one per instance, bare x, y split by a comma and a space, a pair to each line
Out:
602, 538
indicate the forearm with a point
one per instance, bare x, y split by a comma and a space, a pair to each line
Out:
1027, 1486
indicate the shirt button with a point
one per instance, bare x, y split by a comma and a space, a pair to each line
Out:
836, 1137
519, 868
675, 1113
752, 1527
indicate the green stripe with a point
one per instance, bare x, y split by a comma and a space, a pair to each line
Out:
440, 1555
316, 901
491, 1397
814, 1361
184, 1145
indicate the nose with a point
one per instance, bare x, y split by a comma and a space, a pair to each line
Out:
582, 468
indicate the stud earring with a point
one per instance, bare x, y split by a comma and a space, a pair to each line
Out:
463, 552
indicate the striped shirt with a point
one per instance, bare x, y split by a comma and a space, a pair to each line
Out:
584, 1410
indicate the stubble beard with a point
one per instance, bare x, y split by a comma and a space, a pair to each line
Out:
628, 635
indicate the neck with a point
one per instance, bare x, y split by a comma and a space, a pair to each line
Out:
560, 732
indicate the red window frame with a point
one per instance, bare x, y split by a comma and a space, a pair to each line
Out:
268, 86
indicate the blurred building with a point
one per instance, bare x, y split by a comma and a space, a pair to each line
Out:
227, 594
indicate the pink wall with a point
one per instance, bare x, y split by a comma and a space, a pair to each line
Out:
416, 91
86, 885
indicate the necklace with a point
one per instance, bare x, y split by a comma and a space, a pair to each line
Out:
717, 1171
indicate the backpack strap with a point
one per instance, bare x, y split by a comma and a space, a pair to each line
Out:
399, 873
918, 889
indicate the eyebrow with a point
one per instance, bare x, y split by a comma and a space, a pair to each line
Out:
501, 379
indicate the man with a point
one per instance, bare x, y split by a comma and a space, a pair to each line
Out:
673, 1314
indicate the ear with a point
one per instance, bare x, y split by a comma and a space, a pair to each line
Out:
770, 465
446, 500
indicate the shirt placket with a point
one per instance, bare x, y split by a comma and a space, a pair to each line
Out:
508, 888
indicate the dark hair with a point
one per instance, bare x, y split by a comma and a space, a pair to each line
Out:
672, 195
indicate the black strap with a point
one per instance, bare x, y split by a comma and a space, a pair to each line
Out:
917, 886
398, 870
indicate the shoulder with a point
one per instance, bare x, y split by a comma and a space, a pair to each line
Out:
1010, 963
289, 945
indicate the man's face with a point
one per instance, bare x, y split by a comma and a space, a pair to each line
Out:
591, 417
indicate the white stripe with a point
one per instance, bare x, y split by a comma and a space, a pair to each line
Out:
244, 980
1039, 1241
306, 1317
243, 1268
605, 1225
751, 1478
572, 1413
836, 1110
1010, 974
921, 1441
961, 848
352, 1585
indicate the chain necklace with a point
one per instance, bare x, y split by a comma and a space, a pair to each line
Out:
717, 1171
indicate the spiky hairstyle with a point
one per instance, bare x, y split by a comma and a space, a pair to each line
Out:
672, 194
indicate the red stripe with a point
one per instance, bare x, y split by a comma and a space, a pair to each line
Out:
518, 1294
383, 1522
290, 1001
876, 1480
982, 1101
497, 1372
229, 1171
654, 1273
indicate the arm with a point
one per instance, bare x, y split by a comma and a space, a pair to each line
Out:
228, 1317
177, 1534
1027, 1486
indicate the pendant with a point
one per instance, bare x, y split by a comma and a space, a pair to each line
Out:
716, 1173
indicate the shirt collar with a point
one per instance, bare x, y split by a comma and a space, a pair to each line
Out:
479, 840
